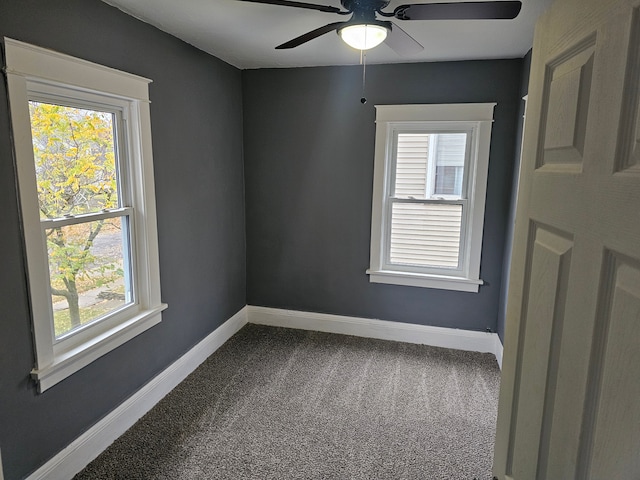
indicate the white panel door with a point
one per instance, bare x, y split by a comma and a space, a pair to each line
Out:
570, 394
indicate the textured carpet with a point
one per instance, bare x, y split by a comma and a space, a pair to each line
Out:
276, 403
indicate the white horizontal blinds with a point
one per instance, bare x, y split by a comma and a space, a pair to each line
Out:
411, 165
427, 234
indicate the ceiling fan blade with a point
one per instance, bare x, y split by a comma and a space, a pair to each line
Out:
309, 6
459, 11
402, 43
310, 35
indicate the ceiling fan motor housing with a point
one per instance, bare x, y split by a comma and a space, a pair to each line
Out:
364, 6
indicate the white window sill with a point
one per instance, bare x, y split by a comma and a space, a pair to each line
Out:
73, 360
442, 282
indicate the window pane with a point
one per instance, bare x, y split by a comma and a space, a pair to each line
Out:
448, 180
449, 163
89, 265
426, 235
412, 158
75, 156
429, 164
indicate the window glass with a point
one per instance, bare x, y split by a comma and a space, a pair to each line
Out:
429, 164
75, 155
449, 163
430, 167
412, 164
448, 180
88, 272
425, 234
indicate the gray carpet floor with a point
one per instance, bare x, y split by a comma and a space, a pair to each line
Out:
276, 403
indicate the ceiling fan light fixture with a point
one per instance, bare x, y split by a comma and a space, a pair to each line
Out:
363, 36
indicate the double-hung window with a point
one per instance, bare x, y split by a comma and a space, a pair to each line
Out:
430, 178
85, 174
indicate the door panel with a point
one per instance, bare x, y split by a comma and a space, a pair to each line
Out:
612, 420
566, 105
548, 280
628, 157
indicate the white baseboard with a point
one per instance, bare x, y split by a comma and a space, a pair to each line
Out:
371, 328
498, 350
94, 441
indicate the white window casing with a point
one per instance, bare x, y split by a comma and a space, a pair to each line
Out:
446, 254
34, 73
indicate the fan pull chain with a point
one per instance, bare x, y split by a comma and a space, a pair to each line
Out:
363, 62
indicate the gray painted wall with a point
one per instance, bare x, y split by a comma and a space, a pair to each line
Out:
506, 262
309, 167
309, 147
196, 117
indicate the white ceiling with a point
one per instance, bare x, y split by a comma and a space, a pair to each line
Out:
244, 34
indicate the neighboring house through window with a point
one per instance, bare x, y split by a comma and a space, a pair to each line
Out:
430, 179
83, 155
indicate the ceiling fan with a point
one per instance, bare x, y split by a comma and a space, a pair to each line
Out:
364, 30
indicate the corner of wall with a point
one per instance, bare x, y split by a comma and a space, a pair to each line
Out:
504, 287
1, 474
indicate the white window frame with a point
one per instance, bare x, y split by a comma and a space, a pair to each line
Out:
34, 72
476, 118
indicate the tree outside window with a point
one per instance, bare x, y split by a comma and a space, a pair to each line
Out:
75, 153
